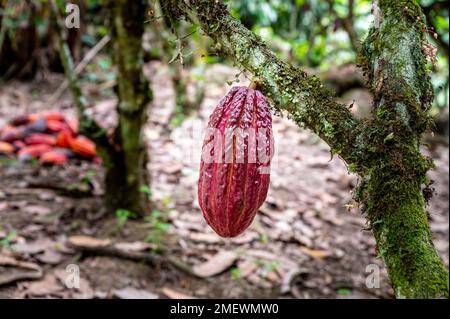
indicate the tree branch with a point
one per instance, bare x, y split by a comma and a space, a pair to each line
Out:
306, 99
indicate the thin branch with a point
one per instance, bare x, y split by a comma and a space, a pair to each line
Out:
67, 61
80, 67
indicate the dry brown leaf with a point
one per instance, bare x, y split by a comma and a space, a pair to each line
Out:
87, 241
32, 248
10, 261
50, 256
204, 237
134, 246
132, 293
314, 253
172, 294
47, 286
216, 264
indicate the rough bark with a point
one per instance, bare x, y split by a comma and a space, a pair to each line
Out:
384, 151
127, 172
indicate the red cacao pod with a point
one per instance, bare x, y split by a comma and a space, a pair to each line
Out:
6, 148
53, 116
20, 120
33, 151
235, 163
56, 126
64, 138
54, 157
83, 146
40, 138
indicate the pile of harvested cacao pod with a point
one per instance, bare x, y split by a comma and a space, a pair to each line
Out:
48, 137
235, 163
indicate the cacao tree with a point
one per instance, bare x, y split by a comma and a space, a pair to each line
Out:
124, 153
384, 151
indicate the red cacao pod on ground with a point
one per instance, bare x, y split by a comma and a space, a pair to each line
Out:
56, 126
54, 157
6, 148
83, 146
33, 151
64, 138
53, 116
40, 138
235, 163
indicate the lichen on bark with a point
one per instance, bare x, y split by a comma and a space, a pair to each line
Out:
384, 151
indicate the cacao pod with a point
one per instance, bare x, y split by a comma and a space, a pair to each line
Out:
6, 148
20, 120
11, 134
40, 138
63, 138
53, 116
33, 151
19, 145
83, 146
235, 164
56, 126
74, 125
54, 157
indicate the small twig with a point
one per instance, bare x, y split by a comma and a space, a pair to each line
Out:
80, 67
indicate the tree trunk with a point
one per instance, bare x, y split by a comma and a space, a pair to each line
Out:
127, 171
384, 151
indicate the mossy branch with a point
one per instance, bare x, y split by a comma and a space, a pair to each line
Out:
306, 99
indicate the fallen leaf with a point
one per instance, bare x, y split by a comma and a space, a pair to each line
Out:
314, 253
204, 238
216, 264
132, 293
47, 286
16, 270
50, 256
32, 248
86, 241
172, 294
134, 246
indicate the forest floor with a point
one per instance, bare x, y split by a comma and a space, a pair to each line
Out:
304, 243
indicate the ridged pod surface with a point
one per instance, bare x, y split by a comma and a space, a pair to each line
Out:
235, 164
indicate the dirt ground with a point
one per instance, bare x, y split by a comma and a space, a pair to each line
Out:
306, 242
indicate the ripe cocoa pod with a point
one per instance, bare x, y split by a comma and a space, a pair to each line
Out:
33, 151
235, 163
53, 157
74, 125
56, 126
11, 134
20, 120
53, 116
83, 146
6, 148
18, 145
40, 138
63, 138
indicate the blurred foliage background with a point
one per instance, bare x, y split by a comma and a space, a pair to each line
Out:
315, 34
